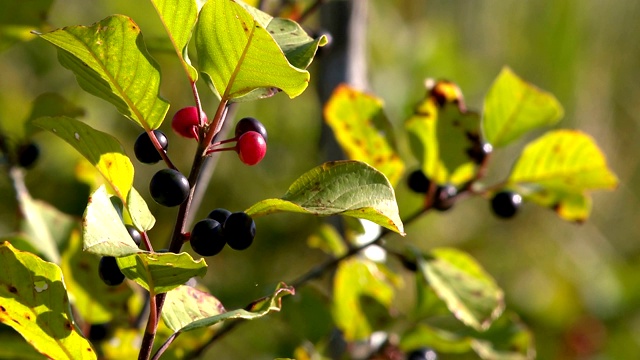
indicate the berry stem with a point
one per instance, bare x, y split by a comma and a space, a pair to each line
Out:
146, 241
196, 98
150, 332
161, 151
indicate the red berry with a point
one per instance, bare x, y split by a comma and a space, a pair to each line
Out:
251, 147
185, 122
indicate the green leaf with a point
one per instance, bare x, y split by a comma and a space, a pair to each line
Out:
19, 18
349, 188
363, 131
558, 170
103, 231
256, 310
513, 107
161, 272
110, 61
469, 292
95, 301
179, 18
355, 278
139, 212
185, 304
14, 346
329, 240
101, 149
438, 339
34, 301
237, 56
507, 339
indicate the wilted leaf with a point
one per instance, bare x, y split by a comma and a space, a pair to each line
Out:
34, 301
110, 61
349, 188
185, 304
363, 131
513, 107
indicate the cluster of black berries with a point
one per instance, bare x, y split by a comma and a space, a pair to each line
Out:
220, 228
108, 268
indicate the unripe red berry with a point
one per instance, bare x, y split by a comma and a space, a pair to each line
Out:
251, 147
185, 122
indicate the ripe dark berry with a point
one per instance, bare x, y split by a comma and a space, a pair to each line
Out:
444, 197
207, 238
422, 354
145, 151
185, 122
239, 230
251, 147
134, 233
109, 271
169, 187
505, 204
418, 182
219, 215
250, 124
28, 154
98, 332
478, 152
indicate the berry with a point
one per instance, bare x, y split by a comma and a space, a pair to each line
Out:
169, 187
445, 197
505, 204
145, 151
98, 332
422, 354
239, 230
134, 233
418, 182
207, 238
219, 215
250, 124
478, 152
109, 271
251, 147
28, 154
185, 122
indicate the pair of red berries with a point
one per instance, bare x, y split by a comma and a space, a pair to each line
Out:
250, 134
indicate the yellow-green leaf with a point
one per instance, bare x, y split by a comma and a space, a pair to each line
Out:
185, 304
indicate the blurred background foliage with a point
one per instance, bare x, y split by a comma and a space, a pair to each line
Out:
576, 286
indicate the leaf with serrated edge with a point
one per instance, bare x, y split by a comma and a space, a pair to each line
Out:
34, 302
237, 55
103, 231
161, 272
558, 170
179, 18
513, 107
257, 310
185, 304
101, 149
469, 292
110, 61
350, 188
363, 131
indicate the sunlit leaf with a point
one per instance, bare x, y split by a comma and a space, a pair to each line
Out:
161, 272
355, 278
559, 169
185, 304
349, 188
33, 301
256, 310
179, 18
363, 131
125, 344
237, 55
19, 18
139, 212
469, 292
513, 107
101, 149
95, 301
110, 61
439, 340
328, 239
103, 231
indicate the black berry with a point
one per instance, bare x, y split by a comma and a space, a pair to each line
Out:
28, 154
145, 151
239, 230
250, 124
444, 197
220, 215
135, 234
98, 332
109, 271
169, 187
418, 182
422, 354
505, 204
207, 238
